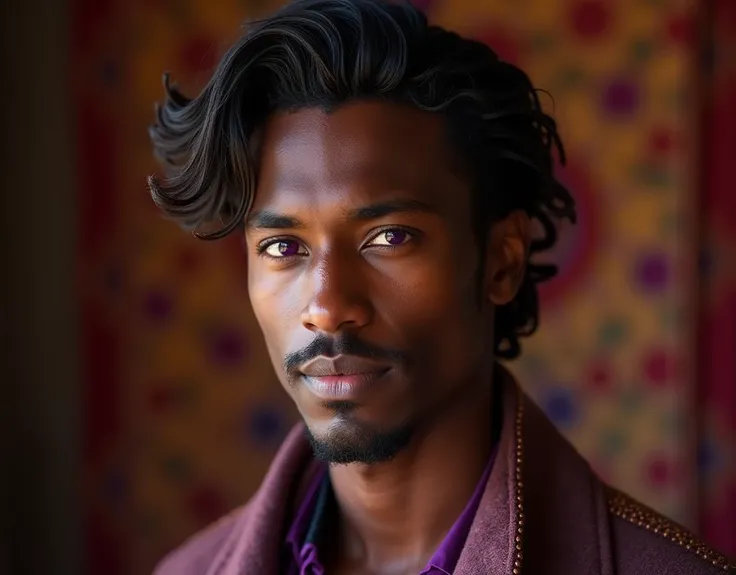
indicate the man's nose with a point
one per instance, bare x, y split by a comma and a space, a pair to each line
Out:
339, 299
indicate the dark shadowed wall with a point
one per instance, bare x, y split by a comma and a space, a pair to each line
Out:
40, 406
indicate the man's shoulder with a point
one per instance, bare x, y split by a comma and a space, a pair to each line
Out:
645, 542
197, 554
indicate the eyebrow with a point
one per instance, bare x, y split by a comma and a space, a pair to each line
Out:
266, 219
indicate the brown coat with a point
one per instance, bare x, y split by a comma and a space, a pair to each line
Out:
543, 512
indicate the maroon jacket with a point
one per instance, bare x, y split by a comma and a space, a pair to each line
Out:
543, 512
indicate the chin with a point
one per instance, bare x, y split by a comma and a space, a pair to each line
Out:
348, 440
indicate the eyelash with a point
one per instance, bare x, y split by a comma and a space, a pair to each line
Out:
264, 245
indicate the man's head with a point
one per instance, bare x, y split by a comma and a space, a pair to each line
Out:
385, 174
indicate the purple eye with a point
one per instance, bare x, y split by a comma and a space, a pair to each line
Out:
283, 249
396, 237
391, 238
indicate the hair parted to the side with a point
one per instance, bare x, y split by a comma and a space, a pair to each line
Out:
324, 53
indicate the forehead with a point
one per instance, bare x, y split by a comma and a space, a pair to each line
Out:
359, 148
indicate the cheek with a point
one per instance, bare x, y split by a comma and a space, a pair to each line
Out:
275, 305
435, 305
454, 340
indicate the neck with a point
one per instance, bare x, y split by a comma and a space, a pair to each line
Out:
395, 514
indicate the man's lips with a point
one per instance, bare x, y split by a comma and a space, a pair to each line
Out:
342, 377
341, 365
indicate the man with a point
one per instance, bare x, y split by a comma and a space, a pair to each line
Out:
392, 181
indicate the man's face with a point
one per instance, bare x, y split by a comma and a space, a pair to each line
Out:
363, 271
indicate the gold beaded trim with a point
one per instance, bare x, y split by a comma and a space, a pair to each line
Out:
626, 508
519, 484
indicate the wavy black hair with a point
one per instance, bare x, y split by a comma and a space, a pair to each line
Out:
324, 53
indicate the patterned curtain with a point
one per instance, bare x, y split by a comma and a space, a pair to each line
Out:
182, 411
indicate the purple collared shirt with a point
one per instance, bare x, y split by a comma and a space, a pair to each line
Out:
302, 538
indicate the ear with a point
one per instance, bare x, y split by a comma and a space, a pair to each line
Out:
507, 251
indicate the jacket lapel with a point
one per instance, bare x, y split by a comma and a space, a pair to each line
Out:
543, 510
494, 544
258, 538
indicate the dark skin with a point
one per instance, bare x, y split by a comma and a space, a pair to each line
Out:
403, 275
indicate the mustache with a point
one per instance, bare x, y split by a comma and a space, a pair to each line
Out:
345, 344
